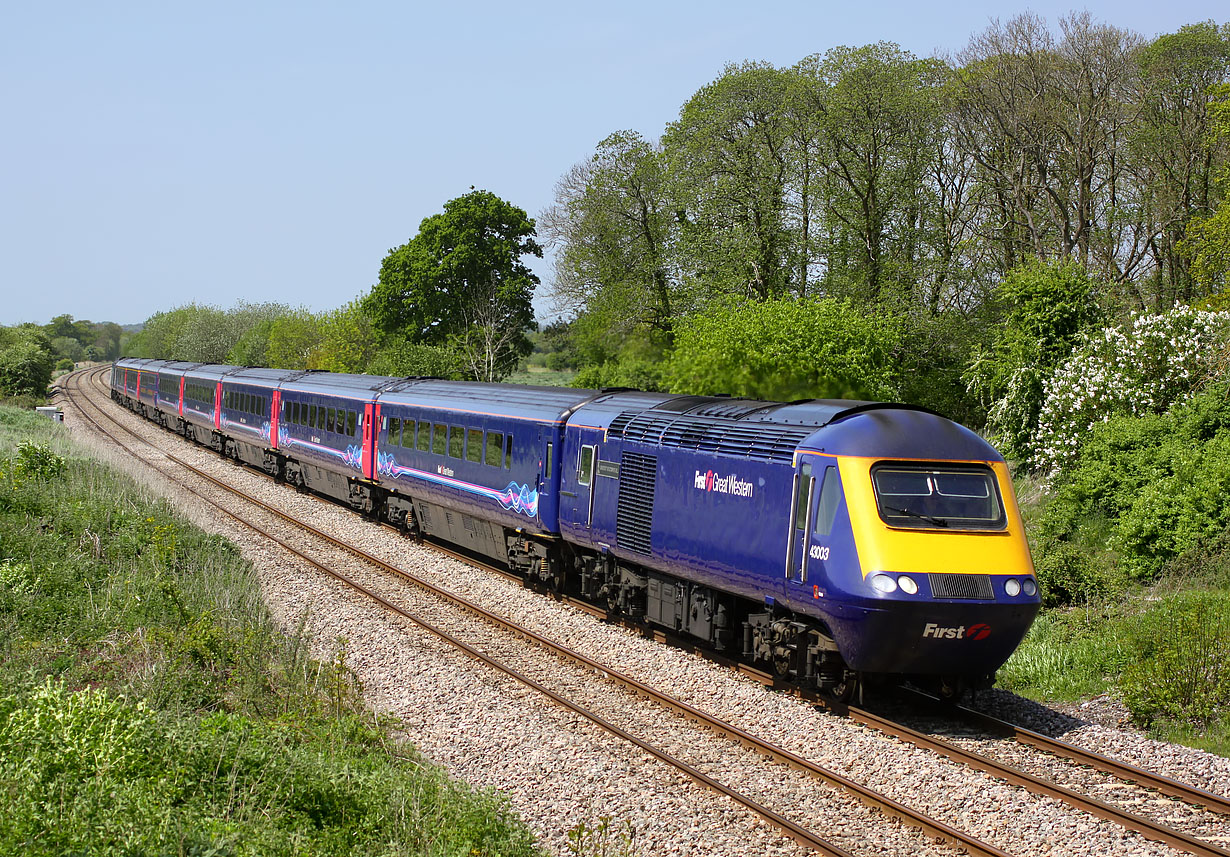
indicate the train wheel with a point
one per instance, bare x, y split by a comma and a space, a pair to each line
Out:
846, 689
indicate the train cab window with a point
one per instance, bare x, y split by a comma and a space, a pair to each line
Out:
826, 507
585, 467
424, 438
508, 452
802, 496
456, 442
945, 497
474, 446
495, 448
439, 438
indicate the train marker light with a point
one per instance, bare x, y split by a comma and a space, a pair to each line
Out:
1012, 586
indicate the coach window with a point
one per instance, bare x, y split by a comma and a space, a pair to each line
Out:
351, 419
585, 468
495, 448
424, 440
456, 442
474, 446
826, 509
546, 471
508, 452
394, 431
439, 438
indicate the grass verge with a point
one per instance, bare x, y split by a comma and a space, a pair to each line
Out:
149, 705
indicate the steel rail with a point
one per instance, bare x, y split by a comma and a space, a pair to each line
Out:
798, 833
1106, 764
1146, 827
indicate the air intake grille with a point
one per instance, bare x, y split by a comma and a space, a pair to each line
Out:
634, 517
762, 441
971, 586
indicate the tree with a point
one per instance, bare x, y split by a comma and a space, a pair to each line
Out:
728, 157
877, 117
430, 287
610, 226
26, 361
1175, 154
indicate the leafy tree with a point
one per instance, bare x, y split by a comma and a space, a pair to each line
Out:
349, 340
610, 225
789, 349
26, 361
729, 163
1208, 238
1175, 154
876, 118
431, 288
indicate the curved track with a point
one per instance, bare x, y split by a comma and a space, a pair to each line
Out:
1147, 828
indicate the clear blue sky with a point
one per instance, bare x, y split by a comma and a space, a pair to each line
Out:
153, 154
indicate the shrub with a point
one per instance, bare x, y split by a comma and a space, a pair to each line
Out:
1185, 672
1067, 575
788, 349
37, 461
1143, 366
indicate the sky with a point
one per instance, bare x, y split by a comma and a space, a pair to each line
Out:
157, 154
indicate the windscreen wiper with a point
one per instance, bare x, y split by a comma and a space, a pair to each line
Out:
939, 522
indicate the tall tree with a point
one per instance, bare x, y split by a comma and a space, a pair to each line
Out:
610, 227
1175, 156
729, 163
878, 117
470, 253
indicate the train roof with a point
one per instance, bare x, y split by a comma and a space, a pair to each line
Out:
515, 401
775, 431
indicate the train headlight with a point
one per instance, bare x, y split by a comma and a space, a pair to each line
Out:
907, 584
1031, 588
1012, 586
884, 583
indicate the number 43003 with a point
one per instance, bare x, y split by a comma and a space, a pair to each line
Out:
820, 552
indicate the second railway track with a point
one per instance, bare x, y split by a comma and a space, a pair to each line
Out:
800, 761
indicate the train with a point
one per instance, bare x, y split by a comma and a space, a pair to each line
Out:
837, 543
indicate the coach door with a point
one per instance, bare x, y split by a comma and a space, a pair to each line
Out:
371, 423
804, 491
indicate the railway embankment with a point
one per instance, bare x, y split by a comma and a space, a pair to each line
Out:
149, 704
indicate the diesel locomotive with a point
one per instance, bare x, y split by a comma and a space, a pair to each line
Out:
834, 541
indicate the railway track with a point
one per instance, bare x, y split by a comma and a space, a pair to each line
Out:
1146, 827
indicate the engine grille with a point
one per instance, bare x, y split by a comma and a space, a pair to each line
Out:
634, 517
970, 586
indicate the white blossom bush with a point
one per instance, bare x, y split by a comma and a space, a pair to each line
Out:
1143, 366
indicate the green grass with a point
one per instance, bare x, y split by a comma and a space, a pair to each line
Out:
1164, 650
149, 705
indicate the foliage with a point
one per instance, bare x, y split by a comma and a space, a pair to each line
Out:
463, 269
611, 226
38, 461
1185, 673
1142, 366
1046, 307
1151, 489
1164, 651
26, 361
204, 334
1207, 243
787, 349
400, 357
149, 705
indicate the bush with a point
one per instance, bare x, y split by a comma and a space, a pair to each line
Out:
788, 349
1144, 366
1150, 489
1184, 674
1067, 575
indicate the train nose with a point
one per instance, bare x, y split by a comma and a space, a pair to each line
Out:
937, 638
